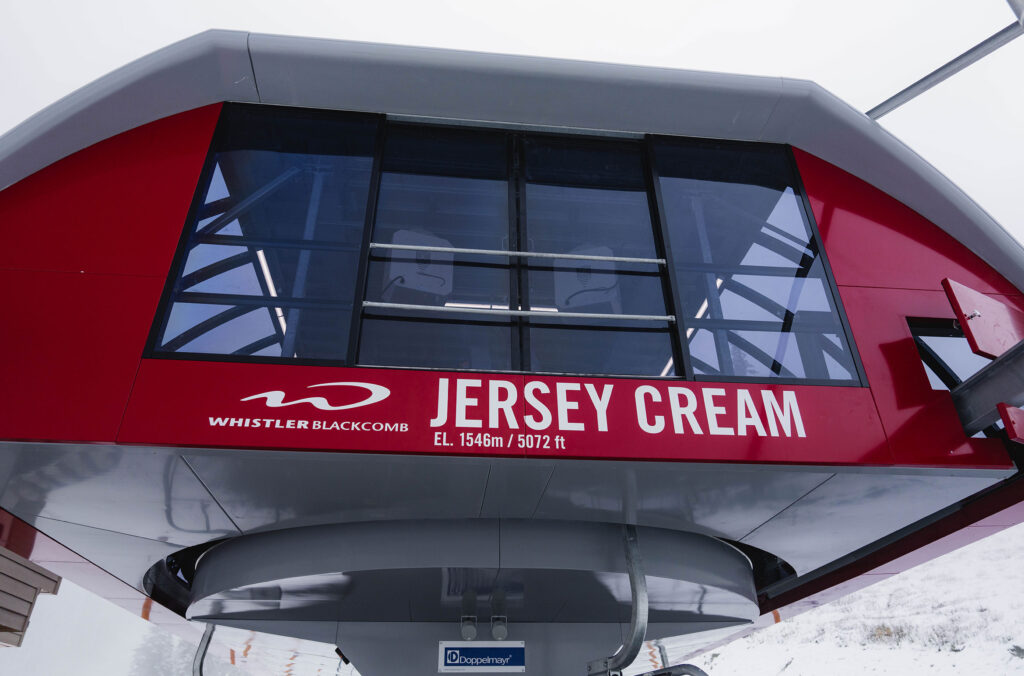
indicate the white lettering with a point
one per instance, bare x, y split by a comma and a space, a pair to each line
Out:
789, 412
504, 405
442, 403
544, 421
747, 415
600, 404
564, 406
464, 401
712, 412
641, 409
679, 411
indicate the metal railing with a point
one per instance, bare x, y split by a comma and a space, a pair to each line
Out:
519, 254
519, 313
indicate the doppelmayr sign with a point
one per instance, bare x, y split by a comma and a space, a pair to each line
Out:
476, 657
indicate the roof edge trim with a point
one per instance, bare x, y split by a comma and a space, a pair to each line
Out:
218, 65
207, 68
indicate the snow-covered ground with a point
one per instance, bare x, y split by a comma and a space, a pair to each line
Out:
962, 613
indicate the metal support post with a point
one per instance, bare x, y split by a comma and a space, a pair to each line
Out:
204, 645
624, 656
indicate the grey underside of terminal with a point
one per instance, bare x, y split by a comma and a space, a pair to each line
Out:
338, 546
440, 84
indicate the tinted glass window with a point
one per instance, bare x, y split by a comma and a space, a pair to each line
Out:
345, 239
749, 274
945, 352
947, 358
441, 192
270, 264
590, 200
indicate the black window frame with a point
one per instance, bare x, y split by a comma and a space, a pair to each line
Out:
795, 180
518, 283
947, 374
232, 117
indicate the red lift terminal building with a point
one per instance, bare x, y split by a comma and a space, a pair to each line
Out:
387, 348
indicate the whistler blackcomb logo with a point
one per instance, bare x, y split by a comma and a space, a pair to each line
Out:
275, 398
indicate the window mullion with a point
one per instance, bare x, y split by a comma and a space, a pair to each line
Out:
355, 333
829, 276
681, 354
518, 241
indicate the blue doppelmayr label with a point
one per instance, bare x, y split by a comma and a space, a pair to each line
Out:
493, 657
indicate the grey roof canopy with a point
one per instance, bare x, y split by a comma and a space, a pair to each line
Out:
488, 88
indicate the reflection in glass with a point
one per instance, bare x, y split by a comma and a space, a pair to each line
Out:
439, 190
500, 251
424, 341
948, 359
590, 199
748, 271
270, 265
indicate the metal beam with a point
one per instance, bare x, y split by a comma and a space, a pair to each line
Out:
244, 205
1017, 6
455, 309
1002, 381
519, 254
204, 645
627, 652
979, 51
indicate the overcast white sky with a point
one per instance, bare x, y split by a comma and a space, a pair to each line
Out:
971, 127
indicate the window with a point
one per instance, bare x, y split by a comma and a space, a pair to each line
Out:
947, 357
507, 252
442, 193
269, 267
748, 271
346, 239
590, 200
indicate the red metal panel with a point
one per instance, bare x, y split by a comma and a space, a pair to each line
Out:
983, 516
88, 242
16, 535
1013, 419
1010, 516
991, 326
940, 547
71, 346
283, 406
116, 207
873, 240
921, 423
